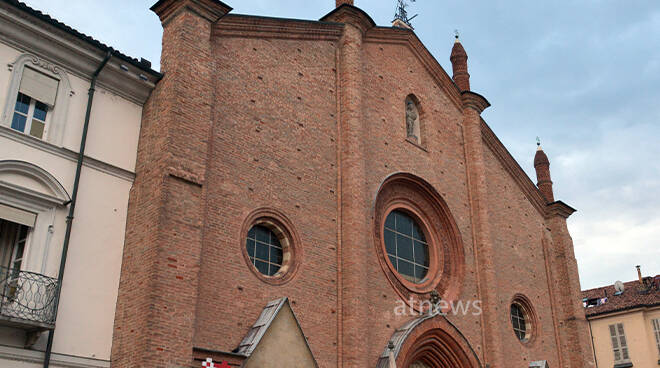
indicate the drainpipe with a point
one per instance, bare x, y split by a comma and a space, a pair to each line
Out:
72, 205
593, 346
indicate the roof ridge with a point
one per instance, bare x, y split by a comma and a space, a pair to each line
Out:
82, 36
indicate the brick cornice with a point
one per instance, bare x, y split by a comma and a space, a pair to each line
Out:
511, 165
211, 10
559, 208
350, 14
475, 101
248, 26
396, 35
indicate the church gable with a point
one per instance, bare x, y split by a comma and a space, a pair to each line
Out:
277, 340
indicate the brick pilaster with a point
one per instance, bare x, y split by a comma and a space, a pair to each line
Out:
154, 322
355, 223
474, 104
573, 326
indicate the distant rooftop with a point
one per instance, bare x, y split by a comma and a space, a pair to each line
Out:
604, 300
141, 64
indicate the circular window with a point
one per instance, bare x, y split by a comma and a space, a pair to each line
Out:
270, 246
417, 241
523, 318
406, 246
264, 249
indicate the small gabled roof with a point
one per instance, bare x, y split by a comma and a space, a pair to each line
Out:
251, 340
258, 330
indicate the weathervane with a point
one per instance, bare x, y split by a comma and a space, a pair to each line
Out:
402, 13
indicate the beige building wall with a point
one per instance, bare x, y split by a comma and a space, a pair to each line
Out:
85, 320
638, 328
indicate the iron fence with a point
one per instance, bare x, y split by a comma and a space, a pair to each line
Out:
27, 296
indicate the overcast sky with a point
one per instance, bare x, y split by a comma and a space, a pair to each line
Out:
584, 75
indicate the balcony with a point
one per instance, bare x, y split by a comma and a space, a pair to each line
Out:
27, 300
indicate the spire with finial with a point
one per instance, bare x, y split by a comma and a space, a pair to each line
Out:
459, 64
542, 166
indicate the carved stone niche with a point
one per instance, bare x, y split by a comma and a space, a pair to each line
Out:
413, 124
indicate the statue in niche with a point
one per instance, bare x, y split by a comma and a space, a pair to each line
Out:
412, 120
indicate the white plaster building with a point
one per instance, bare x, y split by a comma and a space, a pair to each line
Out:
46, 71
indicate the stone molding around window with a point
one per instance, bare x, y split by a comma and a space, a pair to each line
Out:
417, 198
44, 202
60, 110
531, 320
277, 222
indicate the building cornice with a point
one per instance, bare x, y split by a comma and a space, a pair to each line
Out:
559, 208
65, 153
402, 36
61, 360
626, 310
28, 33
474, 101
513, 168
249, 26
211, 10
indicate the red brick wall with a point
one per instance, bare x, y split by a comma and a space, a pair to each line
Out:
517, 233
273, 145
308, 118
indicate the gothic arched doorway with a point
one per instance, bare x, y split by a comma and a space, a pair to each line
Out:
429, 342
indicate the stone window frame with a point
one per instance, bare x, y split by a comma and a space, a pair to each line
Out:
45, 206
288, 238
530, 317
57, 118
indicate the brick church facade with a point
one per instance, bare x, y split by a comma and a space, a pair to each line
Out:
366, 174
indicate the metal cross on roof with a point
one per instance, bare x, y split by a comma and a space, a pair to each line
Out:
402, 13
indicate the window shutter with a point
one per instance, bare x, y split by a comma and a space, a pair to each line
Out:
39, 86
18, 216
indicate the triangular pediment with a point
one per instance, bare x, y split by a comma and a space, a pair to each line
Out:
276, 340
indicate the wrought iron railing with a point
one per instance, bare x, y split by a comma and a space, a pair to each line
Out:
27, 297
